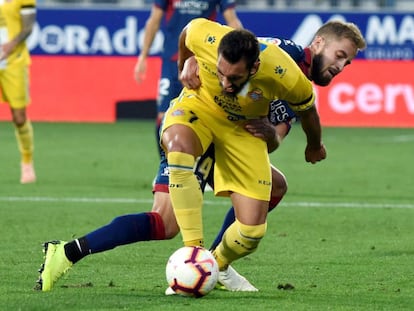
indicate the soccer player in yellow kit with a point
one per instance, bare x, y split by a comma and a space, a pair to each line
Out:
17, 18
239, 77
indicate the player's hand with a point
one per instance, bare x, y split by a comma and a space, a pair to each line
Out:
262, 128
189, 75
140, 70
314, 155
6, 49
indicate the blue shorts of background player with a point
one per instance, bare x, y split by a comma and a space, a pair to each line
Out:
169, 87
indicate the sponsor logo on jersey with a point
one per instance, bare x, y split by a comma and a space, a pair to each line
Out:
191, 6
227, 103
279, 112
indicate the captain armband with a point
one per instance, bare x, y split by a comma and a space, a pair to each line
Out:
304, 105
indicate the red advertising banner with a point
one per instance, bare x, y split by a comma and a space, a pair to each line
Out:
87, 89
370, 94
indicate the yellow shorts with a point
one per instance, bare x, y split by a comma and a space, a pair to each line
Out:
242, 162
14, 84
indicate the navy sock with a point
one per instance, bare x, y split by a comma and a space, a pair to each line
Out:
228, 220
122, 230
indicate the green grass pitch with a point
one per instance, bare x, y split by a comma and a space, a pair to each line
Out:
342, 238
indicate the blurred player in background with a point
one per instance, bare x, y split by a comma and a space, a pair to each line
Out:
17, 19
177, 14
329, 49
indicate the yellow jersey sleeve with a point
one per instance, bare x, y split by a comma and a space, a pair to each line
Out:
203, 38
290, 83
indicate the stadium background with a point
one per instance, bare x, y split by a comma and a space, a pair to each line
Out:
83, 54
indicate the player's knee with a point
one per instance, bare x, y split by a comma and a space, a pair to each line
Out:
162, 206
171, 228
279, 184
19, 120
180, 138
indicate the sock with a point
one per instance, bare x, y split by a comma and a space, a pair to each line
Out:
77, 249
238, 241
186, 197
24, 136
122, 230
230, 218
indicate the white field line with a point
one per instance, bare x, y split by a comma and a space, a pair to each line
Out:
207, 202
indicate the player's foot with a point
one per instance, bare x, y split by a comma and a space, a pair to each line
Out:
27, 173
231, 280
169, 292
56, 264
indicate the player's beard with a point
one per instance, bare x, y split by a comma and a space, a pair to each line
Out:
236, 89
317, 72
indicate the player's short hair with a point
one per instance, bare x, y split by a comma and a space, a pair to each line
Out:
340, 29
238, 44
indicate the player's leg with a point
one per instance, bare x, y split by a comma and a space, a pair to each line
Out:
15, 88
159, 224
24, 136
169, 87
241, 239
127, 229
181, 140
243, 236
250, 199
279, 189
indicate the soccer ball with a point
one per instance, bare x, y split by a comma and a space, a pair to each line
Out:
192, 271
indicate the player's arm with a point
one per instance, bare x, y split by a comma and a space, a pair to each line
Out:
272, 134
231, 18
151, 27
315, 149
301, 100
263, 129
28, 17
275, 127
187, 64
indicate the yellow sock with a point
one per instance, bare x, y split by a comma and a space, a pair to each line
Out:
186, 197
24, 136
238, 241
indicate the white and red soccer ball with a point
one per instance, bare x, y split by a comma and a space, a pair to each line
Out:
192, 271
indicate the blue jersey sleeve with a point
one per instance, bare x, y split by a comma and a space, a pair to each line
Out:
295, 51
280, 112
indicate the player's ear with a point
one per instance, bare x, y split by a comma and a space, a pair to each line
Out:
318, 42
255, 67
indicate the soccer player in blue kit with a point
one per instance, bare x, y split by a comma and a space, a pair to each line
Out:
177, 14
333, 47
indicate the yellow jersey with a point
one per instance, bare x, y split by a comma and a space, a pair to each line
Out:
11, 26
278, 76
